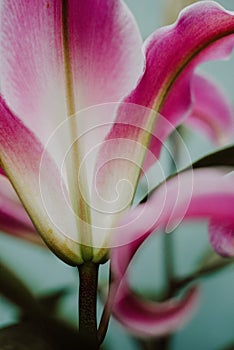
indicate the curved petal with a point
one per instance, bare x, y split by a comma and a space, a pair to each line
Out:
105, 54
203, 193
38, 184
119, 163
165, 87
212, 112
13, 217
204, 31
145, 318
58, 57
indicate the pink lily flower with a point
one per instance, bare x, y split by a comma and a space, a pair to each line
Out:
76, 70
208, 199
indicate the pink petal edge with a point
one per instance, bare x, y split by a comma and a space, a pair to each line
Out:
144, 318
203, 32
13, 217
105, 51
211, 197
212, 112
200, 194
38, 184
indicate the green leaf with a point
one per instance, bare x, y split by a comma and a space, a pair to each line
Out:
12, 288
230, 347
22, 336
222, 157
46, 330
51, 300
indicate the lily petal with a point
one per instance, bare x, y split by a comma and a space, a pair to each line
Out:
201, 194
105, 49
164, 87
212, 112
211, 196
145, 318
106, 57
221, 234
38, 185
107, 53
13, 217
119, 163
203, 32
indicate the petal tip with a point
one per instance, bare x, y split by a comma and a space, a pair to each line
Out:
221, 236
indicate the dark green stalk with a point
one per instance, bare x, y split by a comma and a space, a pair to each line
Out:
88, 273
168, 254
155, 344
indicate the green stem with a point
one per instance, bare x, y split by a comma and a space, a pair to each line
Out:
88, 273
168, 239
168, 252
207, 270
162, 343
106, 314
104, 323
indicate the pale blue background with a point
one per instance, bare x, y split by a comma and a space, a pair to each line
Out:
212, 326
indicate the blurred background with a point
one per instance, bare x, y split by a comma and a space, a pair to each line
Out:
212, 325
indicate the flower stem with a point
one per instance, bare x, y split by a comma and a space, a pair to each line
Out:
204, 272
105, 318
162, 343
168, 252
88, 273
168, 262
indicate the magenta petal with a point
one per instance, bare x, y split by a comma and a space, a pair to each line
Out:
212, 112
221, 235
203, 32
145, 318
119, 161
13, 217
105, 49
2, 172
201, 194
38, 184
31, 63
